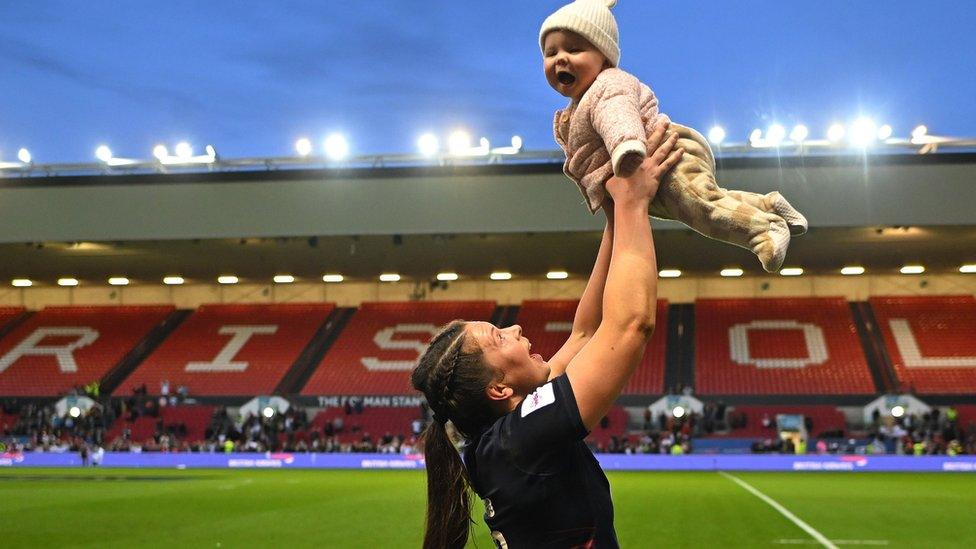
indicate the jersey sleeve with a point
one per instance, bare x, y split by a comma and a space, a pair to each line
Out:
542, 427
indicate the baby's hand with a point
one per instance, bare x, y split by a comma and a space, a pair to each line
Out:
629, 164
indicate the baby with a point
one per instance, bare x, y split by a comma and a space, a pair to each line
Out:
603, 132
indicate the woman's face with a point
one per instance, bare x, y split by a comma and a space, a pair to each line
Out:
571, 63
508, 353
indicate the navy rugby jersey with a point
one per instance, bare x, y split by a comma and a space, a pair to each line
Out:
540, 483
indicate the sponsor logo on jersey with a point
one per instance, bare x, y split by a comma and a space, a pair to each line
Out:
542, 397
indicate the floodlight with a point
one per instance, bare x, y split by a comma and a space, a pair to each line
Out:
67, 282
21, 283
389, 277
103, 153
678, 411
755, 138
268, 412
716, 135
775, 135
516, 142
897, 411
731, 272
118, 281
669, 273
336, 147
160, 152
284, 279
863, 132
852, 271
967, 269
333, 278
912, 269
74, 411
173, 280
919, 132
227, 279
459, 142
835, 133
184, 151
799, 133
884, 132
557, 275
24, 156
791, 271
500, 275
447, 277
303, 146
428, 144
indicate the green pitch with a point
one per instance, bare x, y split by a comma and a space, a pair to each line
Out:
380, 509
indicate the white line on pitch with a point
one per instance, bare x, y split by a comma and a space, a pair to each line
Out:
782, 510
805, 541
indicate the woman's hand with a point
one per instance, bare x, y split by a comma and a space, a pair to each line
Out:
642, 186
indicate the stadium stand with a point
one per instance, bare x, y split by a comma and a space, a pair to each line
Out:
931, 342
9, 313
547, 324
381, 344
778, 346
188, 422
60, 348
6, 421
819, 419
614, 424
374, 421
224, 350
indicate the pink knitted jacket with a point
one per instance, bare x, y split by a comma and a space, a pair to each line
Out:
613, 118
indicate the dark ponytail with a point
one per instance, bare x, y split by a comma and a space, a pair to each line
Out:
454, 381
448, 498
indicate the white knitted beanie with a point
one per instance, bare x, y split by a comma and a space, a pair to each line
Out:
592, 20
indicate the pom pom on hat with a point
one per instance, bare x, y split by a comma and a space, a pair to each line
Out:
592, 20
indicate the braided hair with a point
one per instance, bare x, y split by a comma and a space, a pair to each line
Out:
454, 381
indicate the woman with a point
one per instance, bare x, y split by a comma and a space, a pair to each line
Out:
523, 418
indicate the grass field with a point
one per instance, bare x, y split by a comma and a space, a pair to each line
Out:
379, 509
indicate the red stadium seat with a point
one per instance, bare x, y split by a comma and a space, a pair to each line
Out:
616, 426
381, 344
62, 347
778, 346
373, 421
7, 422
547, 325
224, 350
196, 418
823, 418
931, 341
9, 313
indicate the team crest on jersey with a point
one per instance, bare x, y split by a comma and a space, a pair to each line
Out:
543, 396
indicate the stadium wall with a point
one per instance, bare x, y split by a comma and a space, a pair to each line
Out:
834, 191
351, 294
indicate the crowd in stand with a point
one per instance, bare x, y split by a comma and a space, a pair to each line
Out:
37, 427
934, 433
292, 432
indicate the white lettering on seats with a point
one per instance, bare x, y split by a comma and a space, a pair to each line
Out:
812, 336
559, 326
85, 336
912, 355
384, 340
224, 361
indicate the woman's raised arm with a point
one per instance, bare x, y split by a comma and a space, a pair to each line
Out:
604, 365
589, 312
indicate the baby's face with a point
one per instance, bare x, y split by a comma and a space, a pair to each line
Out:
571, 63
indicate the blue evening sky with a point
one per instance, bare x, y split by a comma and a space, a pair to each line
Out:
251, 77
